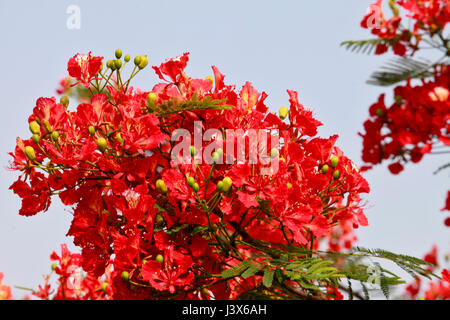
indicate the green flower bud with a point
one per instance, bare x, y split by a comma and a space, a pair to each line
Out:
273, 152
118, 64
325, 168
35, 128
220, 186
102, 144
215, 157
195, 187
159, 219
29, 152
161, 186
127, 58
125, 275
159, 258
104, 286
336, 174
190, 181
151, 99
36, 138
227, 183
220, 151
110, 64
91, 130
143, 63
118, 53
137, 60
55, 136
380, 112
64, 101
334, 161
54, 266
289, 185
398, 99
192, 150
283, 113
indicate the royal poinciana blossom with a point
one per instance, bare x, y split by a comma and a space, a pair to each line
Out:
404, 34
150, 228
417, 123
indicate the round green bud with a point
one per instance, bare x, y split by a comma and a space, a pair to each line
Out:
192, 150
35, 128
379, 112
220, 186
159, 219
125, 275
104, 286
143, 63
336, 174
118, 53
195, 187
190, 181
29, 152
334, 161
161, 186
398, 99
102, 144
91, 130
151, 99
289, 185
159, 258
64, 101
55, 136
227, 183
36, 138
118, 64
220, 151
127, 58
137, 60
284, 111
273, 153
54, 266
215, 157
325, 168
110, 64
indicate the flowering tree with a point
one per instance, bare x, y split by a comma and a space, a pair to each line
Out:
254, 206
417, 123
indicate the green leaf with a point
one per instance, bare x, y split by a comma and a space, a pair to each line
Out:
252, 270
268, 277
399, 70
363, 46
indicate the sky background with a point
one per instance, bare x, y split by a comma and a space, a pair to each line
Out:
276, 45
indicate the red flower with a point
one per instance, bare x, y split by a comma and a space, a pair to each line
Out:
84, 67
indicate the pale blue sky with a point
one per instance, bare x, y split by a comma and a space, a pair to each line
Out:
276, 45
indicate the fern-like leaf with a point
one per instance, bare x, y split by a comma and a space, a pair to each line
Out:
399, 70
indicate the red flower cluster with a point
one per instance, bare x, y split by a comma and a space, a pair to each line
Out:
418, 122
152, 229
437, 290
428, 17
